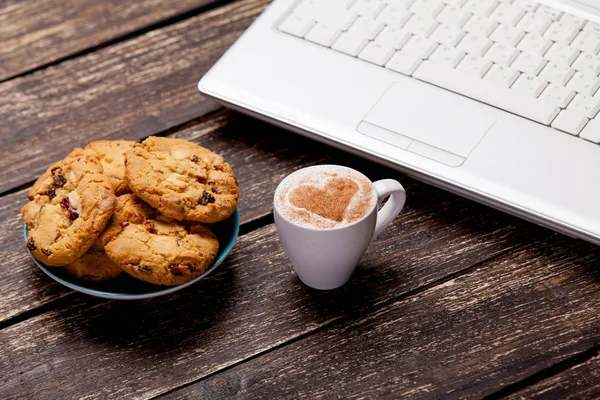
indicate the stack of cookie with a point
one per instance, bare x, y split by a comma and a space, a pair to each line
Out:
145, 208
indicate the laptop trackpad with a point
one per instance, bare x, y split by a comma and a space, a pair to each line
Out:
432, 124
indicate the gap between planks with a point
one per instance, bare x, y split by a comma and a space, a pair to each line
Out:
171, 131
465, 271
245, 228
119, 39
267, 219
546, 373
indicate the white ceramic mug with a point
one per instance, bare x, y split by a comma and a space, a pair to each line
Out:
326, 258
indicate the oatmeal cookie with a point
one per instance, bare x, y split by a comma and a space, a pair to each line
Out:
94, 265
70, 205
111, 154
154, 248
181, 179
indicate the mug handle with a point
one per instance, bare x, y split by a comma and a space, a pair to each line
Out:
397, 197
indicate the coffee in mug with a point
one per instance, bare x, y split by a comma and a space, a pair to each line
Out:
326, 217
326, 198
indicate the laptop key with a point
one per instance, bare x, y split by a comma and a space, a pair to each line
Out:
534, 44
558, 74
508, 14
475, 65
295, 25
562, 33
395, 17
572, 20
395, 38
584, 83
507, 35
419, 47
448, 35
376, 53
528, 63
368, 8
592, 27
561, 96
401, 3
350, 43
587, 42
326, 13
570, 121
480, 25
421, 26
592, 132
535, 23
454, 16
368, 28
447, 56
500, 54
475, 44
454, 3
404, 63
550, 12
588, 64
587, 105
530, 85
481, 7
527, 5
427, 8
502, 75
562, 54
323, 35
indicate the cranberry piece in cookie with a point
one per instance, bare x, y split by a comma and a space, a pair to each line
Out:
154, 248
70, 205
182, 180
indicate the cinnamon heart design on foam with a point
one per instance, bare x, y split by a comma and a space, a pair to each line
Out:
329, 202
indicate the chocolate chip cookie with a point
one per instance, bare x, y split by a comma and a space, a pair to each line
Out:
94, 265
181, 179
70, 205
156, 249
111, 154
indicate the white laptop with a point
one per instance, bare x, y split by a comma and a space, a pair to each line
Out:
496, 100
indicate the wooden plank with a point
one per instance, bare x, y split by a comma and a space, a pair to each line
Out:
130, 90
261, 156
251, 304
580, 382
36, 33
466, 338
23, 286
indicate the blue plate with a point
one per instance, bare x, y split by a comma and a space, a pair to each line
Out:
125, 287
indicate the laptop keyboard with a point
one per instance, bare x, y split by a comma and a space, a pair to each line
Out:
517, 55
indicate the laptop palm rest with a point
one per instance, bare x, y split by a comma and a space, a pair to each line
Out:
430, 124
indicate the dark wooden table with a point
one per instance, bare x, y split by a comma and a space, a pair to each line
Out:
454, 300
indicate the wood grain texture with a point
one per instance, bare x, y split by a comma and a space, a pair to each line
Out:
130, 90
261, 155
466, 338
442, 304
23, 286
580, 382
251, 304
34, 33
251, 147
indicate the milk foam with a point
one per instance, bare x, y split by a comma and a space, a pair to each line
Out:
359, 206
